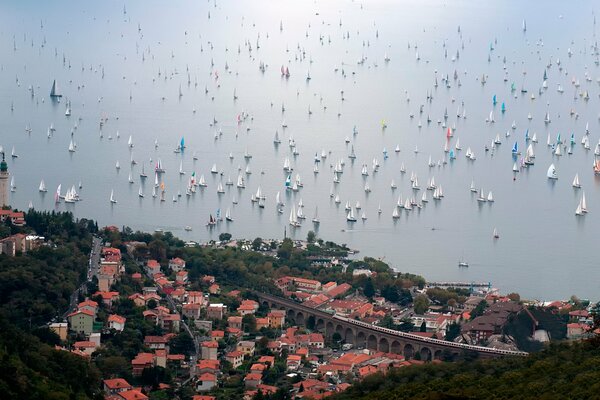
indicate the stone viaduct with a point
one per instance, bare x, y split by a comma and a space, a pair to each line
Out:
362, 334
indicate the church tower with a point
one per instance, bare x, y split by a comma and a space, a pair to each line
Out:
3, 182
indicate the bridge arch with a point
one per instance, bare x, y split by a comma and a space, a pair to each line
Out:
361, 339
425, 354
320, 324
408, 351
437, 355
291, 315
384, 345
372, 342
349, 335
396, 347
329, 329
299, 318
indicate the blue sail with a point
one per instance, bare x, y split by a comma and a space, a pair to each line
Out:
288, 181
452, 156
515, 148
182, 144
503, 107
572, 138
218, 213
527, 135
494, 100
558, 138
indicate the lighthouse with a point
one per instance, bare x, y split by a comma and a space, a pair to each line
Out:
3, 182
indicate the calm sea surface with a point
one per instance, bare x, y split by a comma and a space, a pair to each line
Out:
125, 67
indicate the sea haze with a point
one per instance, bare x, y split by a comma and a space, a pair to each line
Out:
124, 66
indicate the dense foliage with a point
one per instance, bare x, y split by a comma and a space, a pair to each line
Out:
559, 372
35, 288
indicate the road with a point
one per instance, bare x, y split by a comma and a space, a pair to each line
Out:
93, 269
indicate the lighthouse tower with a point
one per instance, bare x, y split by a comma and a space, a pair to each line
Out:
3, 182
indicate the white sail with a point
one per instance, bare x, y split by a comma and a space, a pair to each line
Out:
583, 203
551, 174
43, 186
576, 183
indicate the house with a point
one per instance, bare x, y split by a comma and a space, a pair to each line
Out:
267, 360
234, 322
202, 397
60, 328
252, 380
206, 382
17, 218
276, 318
328, 286
210, 366
152, 267
236, 358
169, 322
133, 394
577, 330
217, 335
181, 277
116, 322
87, 347
262, 323
176, 264
214, 289
209, 350
247, 347
141, 361
216, 311
179, 294
157, 342
191, 310
247, 307
301, 283
89, 305
208, 279
138, 299
293, 362
107, 297
117, 385
195, 297
82, 321
492, 321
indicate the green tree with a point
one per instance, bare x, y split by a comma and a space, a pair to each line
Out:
311, 237
256, 244
225, 237
369, 288
452, 331
182, 344
249, 323
421, 304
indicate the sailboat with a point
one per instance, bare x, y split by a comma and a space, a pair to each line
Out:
228, 215
293, 217
584, 208
350, 217
490, 197
576, 183
315, 219
495, 234
551, 174
140, 193
112, 197
143, 173
54, 93
43, 187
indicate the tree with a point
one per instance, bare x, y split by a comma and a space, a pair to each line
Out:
285, 250
336, 337
152, 304
311, 237
369, 289
224, 237
421, 304
182, 344
452, 331
477, 311
249, 323
256, 244
423, 327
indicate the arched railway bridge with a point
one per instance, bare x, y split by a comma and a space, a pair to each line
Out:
362, 334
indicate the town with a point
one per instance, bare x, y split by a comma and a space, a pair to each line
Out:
163, 329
